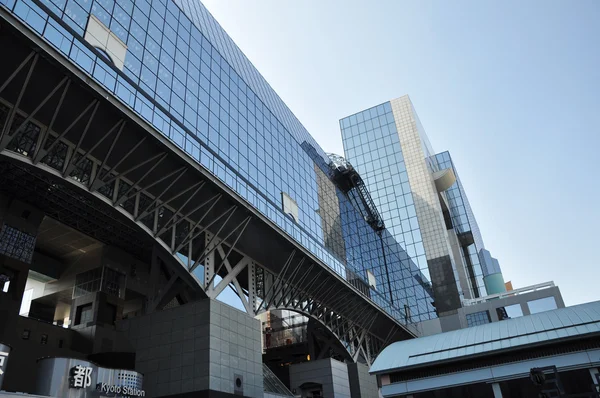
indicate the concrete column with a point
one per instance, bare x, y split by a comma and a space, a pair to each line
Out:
525, 309
212, 346
497, 390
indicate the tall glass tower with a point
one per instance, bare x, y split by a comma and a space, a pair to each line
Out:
421, 200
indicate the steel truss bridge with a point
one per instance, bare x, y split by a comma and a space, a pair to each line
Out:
75, 151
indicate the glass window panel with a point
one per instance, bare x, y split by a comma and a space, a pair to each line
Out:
542, 305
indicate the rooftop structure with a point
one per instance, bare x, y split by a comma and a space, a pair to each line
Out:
495, 358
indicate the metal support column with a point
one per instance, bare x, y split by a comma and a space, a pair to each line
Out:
497, 390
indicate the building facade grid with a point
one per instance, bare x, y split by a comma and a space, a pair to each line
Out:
463, 221
185, 76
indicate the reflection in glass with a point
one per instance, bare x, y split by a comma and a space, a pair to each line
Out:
541, 305
478, 318
509, 312
241, 131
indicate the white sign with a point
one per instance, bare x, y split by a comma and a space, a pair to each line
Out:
3, 356
112, 390
81, 376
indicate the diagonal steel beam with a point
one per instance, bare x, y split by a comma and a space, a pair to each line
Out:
363, 314
129, 170
329, 294
343, 308
242, 295
36, 156
42, 152
235, 271
126, 195
289, 281
13, 111
165, 291
205, 253
100, 183
305, 290
353, 321
119, 124
389, 335
181, 171
107, 156
8, 137
318, 290
193, 235
80, 141
276, 279
245, 224
197, 186
16, 72
188, 215
299, 283
359, 343
337, 300
240, 292
323, 285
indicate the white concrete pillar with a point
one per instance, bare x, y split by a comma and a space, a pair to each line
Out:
497, 390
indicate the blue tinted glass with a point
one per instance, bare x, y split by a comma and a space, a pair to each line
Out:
190, 67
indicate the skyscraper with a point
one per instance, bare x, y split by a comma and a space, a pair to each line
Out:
421, 200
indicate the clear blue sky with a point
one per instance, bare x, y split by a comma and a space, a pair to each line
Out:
510, 88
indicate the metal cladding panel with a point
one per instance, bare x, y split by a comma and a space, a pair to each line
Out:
567, 322
487, 375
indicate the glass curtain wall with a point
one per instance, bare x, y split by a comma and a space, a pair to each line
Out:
184, 75
463, 221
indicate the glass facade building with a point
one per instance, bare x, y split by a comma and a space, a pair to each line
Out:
371, 143
433, 223
484, 270
465, 225
185, 76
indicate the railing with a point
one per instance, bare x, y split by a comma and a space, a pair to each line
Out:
273, 385
510, 293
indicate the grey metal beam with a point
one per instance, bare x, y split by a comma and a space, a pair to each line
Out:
167, 293
197, 186
107, 155
132, 168
16, 72
276, 279
244, 225
36, 156
99, 183
13, 111
297, 290
191, 235
137, 184
235, 271
205, 253
119, 124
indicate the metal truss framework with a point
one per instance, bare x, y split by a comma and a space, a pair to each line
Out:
198, 231
299, 290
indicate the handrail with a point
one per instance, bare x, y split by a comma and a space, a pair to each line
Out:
509, 293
